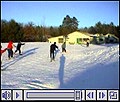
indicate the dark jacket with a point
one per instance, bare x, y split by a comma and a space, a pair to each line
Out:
19, 45
53, 47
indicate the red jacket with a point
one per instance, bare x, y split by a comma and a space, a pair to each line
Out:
2, 51
10, 45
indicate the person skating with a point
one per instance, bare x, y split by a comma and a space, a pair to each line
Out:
2, 51
52, 51
87, 43
18, 48
10, 49
64, 47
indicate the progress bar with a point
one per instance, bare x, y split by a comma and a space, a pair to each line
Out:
75, 95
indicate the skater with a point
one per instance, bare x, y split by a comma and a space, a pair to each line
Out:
18, 47
52, 49
10, 49
87, 43
2, 51
64, 47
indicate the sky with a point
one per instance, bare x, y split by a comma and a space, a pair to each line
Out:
52, 13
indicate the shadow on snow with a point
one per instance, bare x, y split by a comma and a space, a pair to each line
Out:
61, 70
18, 57
96, 77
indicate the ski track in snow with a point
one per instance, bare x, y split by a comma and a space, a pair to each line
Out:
33, 69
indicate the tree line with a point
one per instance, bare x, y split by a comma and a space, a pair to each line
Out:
12, 30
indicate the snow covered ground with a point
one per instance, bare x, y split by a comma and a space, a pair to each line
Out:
93, 67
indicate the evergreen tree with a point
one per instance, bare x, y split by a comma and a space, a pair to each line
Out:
69, 24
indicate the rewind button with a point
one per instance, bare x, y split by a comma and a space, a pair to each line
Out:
90, 94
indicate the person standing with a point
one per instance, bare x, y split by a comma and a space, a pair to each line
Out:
18, 48
2, 51
64, 47
52, 50
87, 43
10, 49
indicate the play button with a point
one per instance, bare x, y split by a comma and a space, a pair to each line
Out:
17, 95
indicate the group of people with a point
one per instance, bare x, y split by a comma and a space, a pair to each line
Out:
9, 48
53, 47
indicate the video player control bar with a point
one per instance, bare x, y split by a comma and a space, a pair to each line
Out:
52, 95
75, 95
